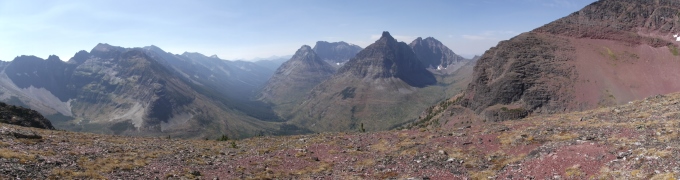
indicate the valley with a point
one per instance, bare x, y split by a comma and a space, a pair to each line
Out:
591, 95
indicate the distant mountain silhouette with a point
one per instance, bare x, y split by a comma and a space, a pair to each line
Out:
336, 53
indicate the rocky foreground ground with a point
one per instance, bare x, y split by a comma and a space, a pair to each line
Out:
639, 140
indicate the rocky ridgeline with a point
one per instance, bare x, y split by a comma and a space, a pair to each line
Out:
548, 70
620, 20
336, 52
433, 54
17, 115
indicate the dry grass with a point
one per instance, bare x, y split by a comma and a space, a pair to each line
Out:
509, 139
483, 175
664, 176
11, 154
59, 173
573, 171
564, 136
499, 160
383, 146
310, 170
409, 152
653, 152
367, 162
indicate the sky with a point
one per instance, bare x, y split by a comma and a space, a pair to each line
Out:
249, 29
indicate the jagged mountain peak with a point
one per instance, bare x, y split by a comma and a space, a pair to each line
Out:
104, 47
305, 53
336, 53
434, 54
80, 57
294, 78
342, 43
154, 48
305, 48
53, 58
388, 58
386, 35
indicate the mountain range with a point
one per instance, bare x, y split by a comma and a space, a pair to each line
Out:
150, 92
578, 98
141, 91
383, 86
608, 53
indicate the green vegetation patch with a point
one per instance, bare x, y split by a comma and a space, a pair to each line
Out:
120, 127
673, 49
611, 54
348, 92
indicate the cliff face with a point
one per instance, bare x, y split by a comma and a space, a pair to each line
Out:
526, 73
294, 79
433, 54
608, 53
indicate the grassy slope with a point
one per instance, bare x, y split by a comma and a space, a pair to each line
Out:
638, 140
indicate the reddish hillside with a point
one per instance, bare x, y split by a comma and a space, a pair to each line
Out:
610, 52
639, 140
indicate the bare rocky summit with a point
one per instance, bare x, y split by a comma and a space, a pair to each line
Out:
434, 55
387, 58
383, 86
294, 79
336, 53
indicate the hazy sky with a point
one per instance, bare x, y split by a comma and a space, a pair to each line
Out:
235, 29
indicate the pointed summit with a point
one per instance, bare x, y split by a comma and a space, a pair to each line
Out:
433, 54
106, 50
294, 78
305, 53
381, 86
386, 34
388, 58
80, 57
304, 48
103, 47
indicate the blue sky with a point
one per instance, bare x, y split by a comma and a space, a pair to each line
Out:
246, 29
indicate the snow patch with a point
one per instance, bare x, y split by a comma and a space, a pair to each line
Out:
677, 38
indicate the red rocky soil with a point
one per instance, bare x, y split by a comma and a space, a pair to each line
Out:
638, 140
